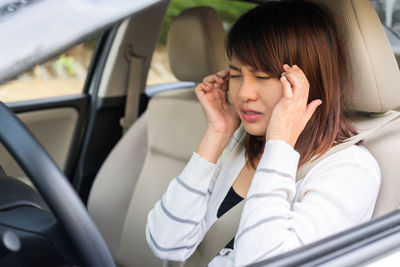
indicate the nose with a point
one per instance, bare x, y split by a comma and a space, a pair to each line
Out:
248, 91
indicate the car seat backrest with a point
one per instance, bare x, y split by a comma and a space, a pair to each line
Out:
196, 39
375, 89
175, 126
158, 145
112, 190
373, 67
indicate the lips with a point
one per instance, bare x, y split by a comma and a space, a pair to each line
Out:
250, 115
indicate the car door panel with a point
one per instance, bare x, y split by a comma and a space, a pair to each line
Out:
57, 123
53, 128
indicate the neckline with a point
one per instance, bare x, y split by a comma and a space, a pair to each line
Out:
235, 194
227, 175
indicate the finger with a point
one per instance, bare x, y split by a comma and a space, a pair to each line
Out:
286, 67
286, 87
298, 81
299, 71
200, 91
210, 85
291, 76
212, 79
203, 86
199, 87
223, 73
284, 78
225, 86
312, 107
295, 72
302, 79
217, 85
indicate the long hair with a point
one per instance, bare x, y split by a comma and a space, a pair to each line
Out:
301, 33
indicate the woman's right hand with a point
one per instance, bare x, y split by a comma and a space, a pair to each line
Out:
221, 115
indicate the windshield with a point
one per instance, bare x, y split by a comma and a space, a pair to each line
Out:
34, 30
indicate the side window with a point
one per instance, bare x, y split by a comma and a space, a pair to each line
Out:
160, 71
62, 75
389, 14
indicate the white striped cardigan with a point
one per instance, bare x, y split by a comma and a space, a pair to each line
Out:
280, 214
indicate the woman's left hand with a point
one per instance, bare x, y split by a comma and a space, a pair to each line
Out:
290, 116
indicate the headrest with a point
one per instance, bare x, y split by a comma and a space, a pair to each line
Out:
196, 44
374, 70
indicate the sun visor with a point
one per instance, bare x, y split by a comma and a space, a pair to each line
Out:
34, 30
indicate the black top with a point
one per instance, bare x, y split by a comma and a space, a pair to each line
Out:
231, 199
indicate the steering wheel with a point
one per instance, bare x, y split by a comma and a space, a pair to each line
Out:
55, 190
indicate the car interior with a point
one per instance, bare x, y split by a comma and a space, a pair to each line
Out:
160, 142
171, 128
156, 147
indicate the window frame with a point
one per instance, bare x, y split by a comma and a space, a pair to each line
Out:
350, 247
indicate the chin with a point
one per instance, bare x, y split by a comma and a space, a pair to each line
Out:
254, 129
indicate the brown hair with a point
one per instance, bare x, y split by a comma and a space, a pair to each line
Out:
301, 33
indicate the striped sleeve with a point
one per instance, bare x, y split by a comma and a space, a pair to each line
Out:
176, 225
340, 192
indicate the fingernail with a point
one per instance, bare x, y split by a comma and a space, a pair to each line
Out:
283, 78
286, 65
295, 67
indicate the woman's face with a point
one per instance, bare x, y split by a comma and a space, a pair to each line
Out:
254, 94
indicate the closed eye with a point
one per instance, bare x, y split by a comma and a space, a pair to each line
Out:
235, 76
263, 77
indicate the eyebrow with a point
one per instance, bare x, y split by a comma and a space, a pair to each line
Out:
253, 70
234, 67
239, 69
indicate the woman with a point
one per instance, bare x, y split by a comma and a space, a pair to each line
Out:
287, 81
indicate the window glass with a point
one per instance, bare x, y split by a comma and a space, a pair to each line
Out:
389, 14
62, 75
160, 71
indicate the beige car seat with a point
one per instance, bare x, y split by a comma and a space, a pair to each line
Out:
376, 89
158, 145
156, 148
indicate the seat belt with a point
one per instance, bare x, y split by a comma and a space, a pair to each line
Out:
133, 90
225, 228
